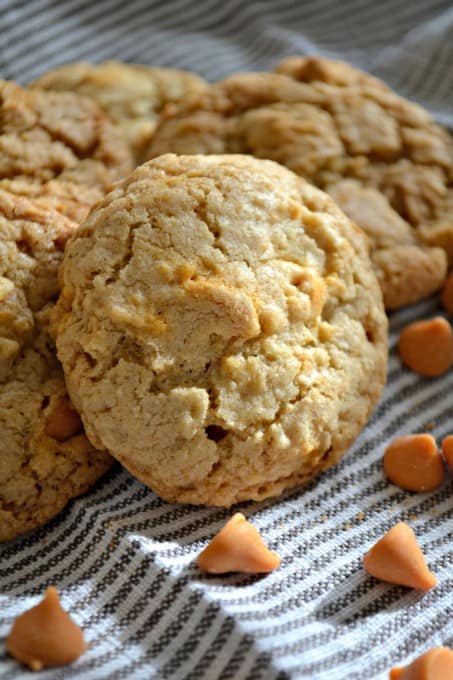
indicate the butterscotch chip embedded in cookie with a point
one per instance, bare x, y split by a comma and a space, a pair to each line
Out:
331, 124
132, 95
45, 458
59, 135
221, 328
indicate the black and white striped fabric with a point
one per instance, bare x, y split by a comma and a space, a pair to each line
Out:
122, 559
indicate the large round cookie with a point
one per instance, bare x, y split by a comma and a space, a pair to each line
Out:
47, 136
133, 95
220, 327
382, 158
45, 458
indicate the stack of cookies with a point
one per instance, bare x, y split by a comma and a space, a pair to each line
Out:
219, 318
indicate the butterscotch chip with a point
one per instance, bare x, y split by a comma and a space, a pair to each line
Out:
45, 458
221, 328
46, 635
59, 135
426, 347
132, 95
413, 462
63, 422
387, 164
397, 558
447, 450
238, 547
435, 664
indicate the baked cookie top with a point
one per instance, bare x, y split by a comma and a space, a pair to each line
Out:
45, 458
405, 154
221, 328
68, 198
335, 123
131, 94
59, 135
332, 71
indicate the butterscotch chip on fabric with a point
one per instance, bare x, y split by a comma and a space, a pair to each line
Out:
349, 134
397, 558
447, 450
221, 328
426, 347
414, 463
45, 458
59, 135
435, 664
45, 635
238, 547
132, 95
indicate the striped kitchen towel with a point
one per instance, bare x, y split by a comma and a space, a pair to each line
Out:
122, 559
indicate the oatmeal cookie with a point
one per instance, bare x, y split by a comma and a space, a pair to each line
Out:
221, 328
131, 94
334, 124
58, 135
45, 458
407, 270
331, 71
68, 198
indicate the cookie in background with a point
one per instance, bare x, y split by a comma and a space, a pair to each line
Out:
349, 134
133, 95
45, 458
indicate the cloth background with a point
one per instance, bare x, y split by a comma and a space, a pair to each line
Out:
121, 558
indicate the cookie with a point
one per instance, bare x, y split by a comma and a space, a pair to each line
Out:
331, 71
407, 270
221, 328
45, 458
72, 200
348, 126
131, 94
46, 136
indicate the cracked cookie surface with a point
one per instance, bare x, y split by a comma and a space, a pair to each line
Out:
221, 328
132, 95
45, 458
68, 198
330, 122
62, 136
